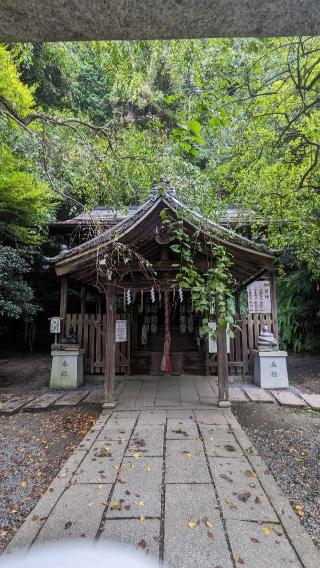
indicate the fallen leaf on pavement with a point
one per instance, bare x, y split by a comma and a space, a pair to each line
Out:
67, 525
266, 531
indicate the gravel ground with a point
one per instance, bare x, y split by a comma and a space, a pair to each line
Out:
289, 442
32, 450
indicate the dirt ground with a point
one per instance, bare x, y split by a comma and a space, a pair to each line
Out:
304, 371
289, 442
33, 447
24, 373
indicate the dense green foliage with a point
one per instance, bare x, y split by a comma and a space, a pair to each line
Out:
228, 121
16, 296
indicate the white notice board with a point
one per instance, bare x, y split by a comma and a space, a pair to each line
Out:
121, 331
259, 298
55, 325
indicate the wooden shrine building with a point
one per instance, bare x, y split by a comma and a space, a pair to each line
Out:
142, 323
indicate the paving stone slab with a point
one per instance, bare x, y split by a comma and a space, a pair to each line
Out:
237, 395
258, 395
214, 417
42, 402
147, 440
97, 396
117, 431
209, 401
133, 414
168, 398
312, 399
77, 514
180, 413
262, 545
204, 389
288, 398
143, 535
204, 544
71, 398
15, 404
240, 493
138, 489
182, 429
220, 441
152, 417
185, 462
189, 395
101, 464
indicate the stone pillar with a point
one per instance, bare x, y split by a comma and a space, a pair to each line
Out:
109, 375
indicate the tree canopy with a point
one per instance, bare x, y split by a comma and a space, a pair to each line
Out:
231, 122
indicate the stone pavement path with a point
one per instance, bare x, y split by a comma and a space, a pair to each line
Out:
167, 391
184, 485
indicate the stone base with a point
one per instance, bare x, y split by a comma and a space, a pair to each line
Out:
67, 369
270, 369
224, 403
109, 404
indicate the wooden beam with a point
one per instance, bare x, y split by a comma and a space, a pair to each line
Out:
109, 375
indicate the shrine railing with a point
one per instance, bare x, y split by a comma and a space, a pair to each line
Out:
90, 330
242, 345
90, 333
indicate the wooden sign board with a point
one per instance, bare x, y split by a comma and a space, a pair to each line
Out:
55, 325
259, 297
212, 346
121, 331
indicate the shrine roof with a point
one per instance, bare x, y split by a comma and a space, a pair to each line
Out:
142, 220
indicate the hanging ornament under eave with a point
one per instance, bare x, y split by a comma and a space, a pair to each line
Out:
128, 297
180, 295
152, 295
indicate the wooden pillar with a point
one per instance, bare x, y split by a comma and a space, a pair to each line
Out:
237, 302
274, 312
63, 304
98, 305
222, 356
109, 374
83, 300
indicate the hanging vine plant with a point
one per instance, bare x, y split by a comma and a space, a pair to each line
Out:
212, 289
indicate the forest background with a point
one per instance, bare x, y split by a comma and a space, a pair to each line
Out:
231, 123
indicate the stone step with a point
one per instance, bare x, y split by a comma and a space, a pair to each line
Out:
288, 398
237, 395
258, 395
15, 404
96, 397
71, 398
312, 399
42, 402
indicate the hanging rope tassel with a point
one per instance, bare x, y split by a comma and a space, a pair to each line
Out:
166, 361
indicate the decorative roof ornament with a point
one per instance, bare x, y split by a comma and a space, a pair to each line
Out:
266, 340
161, 188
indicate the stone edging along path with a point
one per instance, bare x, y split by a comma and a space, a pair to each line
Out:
184, 484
